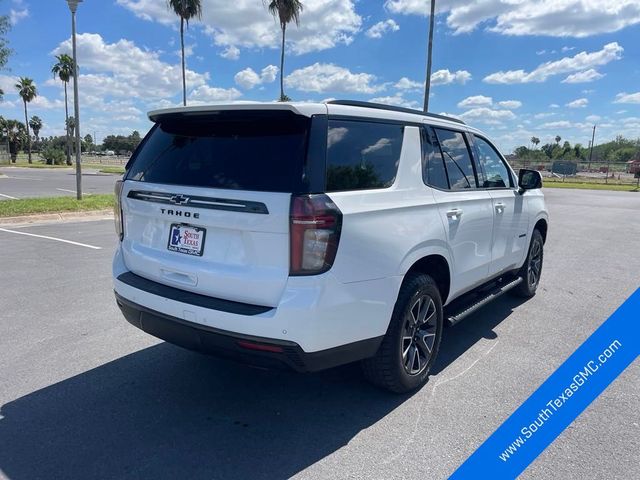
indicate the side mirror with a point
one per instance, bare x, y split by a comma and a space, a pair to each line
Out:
529, 180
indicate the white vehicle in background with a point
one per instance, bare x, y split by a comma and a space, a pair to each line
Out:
313, 235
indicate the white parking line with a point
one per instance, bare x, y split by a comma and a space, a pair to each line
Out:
8, 196
51, 238
72, 191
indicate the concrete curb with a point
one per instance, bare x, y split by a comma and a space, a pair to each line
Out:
88, 216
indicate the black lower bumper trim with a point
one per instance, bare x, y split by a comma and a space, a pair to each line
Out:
191, 298
225, 344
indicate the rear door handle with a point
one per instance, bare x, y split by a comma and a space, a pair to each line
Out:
454, 213
499, 207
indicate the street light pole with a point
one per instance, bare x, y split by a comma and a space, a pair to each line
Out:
593, 137
73, 6
427, 85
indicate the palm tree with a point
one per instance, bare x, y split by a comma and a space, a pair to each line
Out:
186, 10
286, 11
558, 138
71, 126
535, 141
63, 69
36, 125
1, 94
27, 90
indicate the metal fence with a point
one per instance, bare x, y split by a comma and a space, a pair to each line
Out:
589, 172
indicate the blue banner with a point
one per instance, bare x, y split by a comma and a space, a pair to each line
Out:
560, 399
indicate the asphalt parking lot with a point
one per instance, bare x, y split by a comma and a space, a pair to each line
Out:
85, 395
17, 182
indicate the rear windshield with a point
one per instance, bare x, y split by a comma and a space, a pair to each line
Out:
263, 151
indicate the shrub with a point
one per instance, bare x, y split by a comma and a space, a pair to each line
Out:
53, 156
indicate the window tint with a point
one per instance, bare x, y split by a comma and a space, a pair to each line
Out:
457, 159
237, 151
362, 155
496, 174
433, 172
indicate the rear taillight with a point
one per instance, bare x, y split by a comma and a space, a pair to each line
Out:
117, 210
315, 224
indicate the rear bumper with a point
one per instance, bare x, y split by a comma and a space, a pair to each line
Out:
271, 353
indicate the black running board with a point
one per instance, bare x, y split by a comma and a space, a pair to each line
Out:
490, 296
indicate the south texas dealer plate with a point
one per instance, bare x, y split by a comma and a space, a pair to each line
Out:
186, 239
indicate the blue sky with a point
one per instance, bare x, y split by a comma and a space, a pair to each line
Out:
514, 69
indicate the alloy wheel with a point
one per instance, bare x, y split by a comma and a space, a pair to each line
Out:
419, 335
535, 264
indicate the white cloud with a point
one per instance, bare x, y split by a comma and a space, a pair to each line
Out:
487, 115
7, 84
538, 116
555, 125
230, 53
543, 17
248, 78
475, 101
246, 23
410, 85
510, 104
17, 14
125, 70
593, 118
578, 103
580, 62
327, 77
445, 77
396, 99
554, 105
43, 103
627, 97
583, 77
567, 49
380, 28
206, 94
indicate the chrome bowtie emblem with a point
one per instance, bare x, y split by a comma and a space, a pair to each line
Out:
179, 199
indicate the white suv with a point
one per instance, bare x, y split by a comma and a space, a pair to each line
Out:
313, 235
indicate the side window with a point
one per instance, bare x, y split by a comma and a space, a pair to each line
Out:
362, 155
457, 159
496, 173
433, 171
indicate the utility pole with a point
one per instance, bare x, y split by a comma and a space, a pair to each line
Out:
73, 6
427, 85
593, 137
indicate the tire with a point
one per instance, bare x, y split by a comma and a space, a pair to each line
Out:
532, 268
409, 348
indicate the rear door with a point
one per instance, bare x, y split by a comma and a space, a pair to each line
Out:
206, 202
510, 219
465, 210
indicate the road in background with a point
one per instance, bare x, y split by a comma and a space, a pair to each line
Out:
16, 182
85, 395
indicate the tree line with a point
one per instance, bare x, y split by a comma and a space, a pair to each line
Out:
619, 150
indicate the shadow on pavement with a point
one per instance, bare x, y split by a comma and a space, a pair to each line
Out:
166, 413
458, 339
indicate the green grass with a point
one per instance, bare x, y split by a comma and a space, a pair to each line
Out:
29, 206
119, 170
591, 186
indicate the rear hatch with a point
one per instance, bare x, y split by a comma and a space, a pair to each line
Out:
206, 201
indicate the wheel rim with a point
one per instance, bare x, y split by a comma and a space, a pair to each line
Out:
535, 264
419, 335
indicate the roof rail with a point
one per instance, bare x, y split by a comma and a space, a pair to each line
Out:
392, 108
